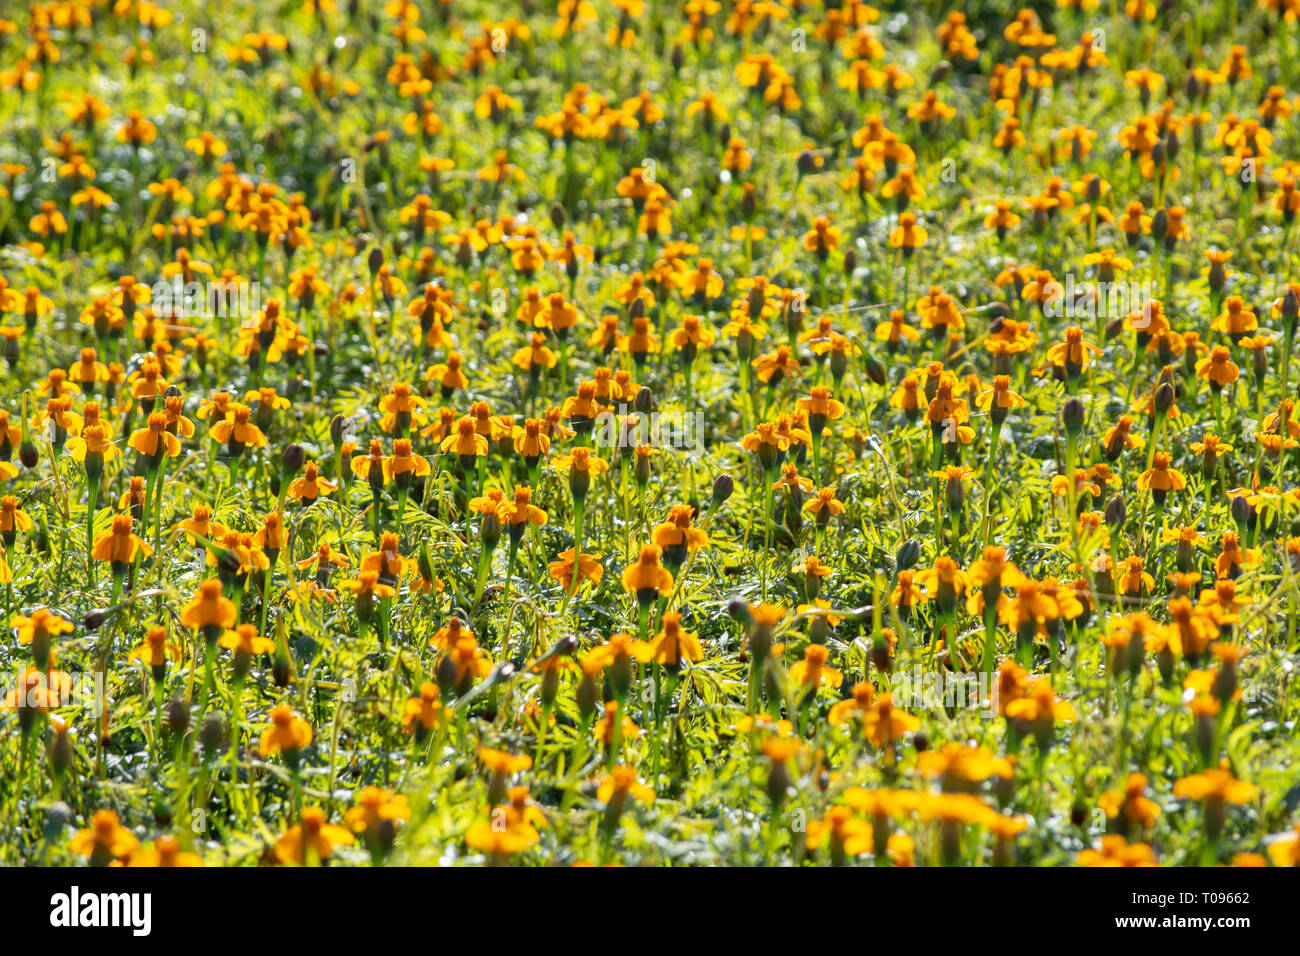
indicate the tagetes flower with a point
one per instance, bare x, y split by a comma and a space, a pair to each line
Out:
535, 355
586, 567
367, 588
1217, 368
812, 672
237, 430
895, 331
673, 644
1130, 807
165, 852
1116, 851
40, 625
612, 722
1217, 785
677, 533
155, 650
907, 235
1236, 320
646, 576
620, 784
465, 441
310, 485
773, 366
105, 840
120, 545
246, 642
944, 582
287, 734
581, 460
375, 807
939, 311
822, 238
1073, 355
1286, 851
824, 504
846, 834
521, 511
884, 724
209, 608
1161, 478
154, 441
404, 461
424, 712
501, 839
312, 840
1039, 710
855, 708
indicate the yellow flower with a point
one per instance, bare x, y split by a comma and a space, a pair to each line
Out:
105, 840
287, 735
311, 840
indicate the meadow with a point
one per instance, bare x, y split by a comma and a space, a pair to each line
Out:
721, 432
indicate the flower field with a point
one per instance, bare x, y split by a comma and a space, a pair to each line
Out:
718, 432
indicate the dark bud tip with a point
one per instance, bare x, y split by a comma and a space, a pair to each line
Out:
1116, 512
723, 487
908, 553
292, 459
1164, 399
1072, 414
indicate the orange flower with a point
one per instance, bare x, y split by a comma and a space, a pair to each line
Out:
287, 734
647, 577
120, 545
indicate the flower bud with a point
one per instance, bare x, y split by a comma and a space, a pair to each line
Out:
1243, 513
1072, 414
908, 553
1116, 512
212, 735
1164, 399
1159, 221
874, 370
292, 460
723, 486
60, 749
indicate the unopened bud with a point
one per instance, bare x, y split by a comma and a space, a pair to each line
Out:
723, 486
1072, 414
1116, 512
1164, 399
292, 459
908, 553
